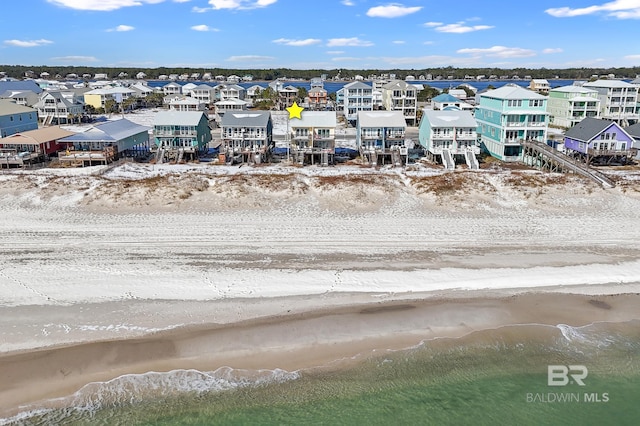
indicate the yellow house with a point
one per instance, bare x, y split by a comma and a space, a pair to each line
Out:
97, 97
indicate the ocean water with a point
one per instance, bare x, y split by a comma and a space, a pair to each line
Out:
491, 377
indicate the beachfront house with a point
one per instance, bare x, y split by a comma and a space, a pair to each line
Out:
32, 146
569, 105
313, 137
634, 132
450, 136
247, 136
380, 137
105, 142
180, 135
16, 118
356, 97
618, 100
509, 116
57, 107
595, 140
401, 96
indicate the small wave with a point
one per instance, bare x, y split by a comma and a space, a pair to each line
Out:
136, 388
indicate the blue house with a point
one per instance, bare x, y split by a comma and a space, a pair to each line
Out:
16, 118
180, 134
598, 140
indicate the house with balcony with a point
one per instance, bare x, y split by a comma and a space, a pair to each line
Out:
172, 88
32, 146
401, 96
380, 137
57, 107
507, 117
229, 91
634, 132
186, 103
204, 93
21, 97
450, 136
540, 85
254, 93
318, 99
104, 142
180, 135
247, 137
228, 105
313, 137
98, 98
287, 95
356, 97
569, 105
618, 100
595, 140
16, 118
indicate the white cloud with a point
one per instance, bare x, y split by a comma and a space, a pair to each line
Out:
460, 28
27, 43
433, 24
633, 57
621, 9
181, 1
101, 5
393, 10
499, 52
348, 3
121, 28
398, 42
203, 28
240, 4
249, 58
552, 50
335, 52
290, 42
353, 41
75, 59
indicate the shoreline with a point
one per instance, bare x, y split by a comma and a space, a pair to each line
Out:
316, 335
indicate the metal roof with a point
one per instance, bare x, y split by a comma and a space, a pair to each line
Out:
110, 131
315, 119
246, 118
512, 91
36, 137
7, 107
450, 118
178, 118
381, 119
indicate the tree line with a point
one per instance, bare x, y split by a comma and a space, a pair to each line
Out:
21, 71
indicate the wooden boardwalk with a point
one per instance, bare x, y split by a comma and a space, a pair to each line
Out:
543, 157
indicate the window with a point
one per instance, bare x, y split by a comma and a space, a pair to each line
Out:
535, 102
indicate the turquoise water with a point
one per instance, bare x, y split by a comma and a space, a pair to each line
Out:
491, 377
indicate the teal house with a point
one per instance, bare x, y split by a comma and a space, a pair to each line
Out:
179, 135
509, 116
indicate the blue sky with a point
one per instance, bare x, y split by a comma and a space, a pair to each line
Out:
325, 34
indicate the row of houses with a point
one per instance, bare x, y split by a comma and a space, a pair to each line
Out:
500, 122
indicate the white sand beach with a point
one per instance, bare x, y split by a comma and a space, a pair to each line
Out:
157, 267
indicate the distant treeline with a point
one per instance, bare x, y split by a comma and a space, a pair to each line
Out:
21, 71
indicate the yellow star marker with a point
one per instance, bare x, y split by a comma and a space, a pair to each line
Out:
294, 111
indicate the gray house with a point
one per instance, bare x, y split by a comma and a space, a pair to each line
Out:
247, 136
